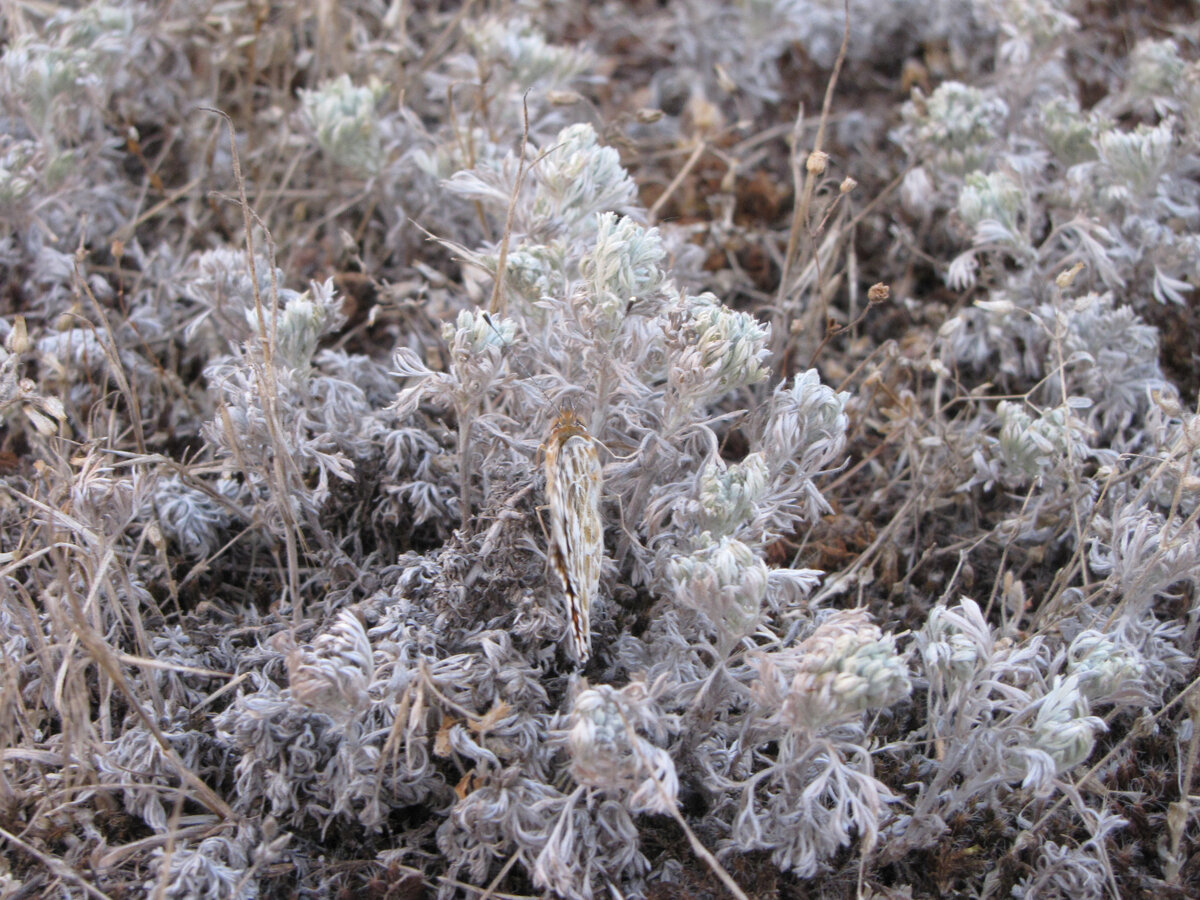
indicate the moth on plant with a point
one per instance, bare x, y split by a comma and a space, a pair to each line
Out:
573, 484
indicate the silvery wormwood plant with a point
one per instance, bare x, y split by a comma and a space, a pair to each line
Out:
1094, 456
1051, 184
587, 317
447, 688
287, 420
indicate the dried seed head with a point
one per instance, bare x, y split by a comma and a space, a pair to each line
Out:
18, 338
563, 98
1065, 279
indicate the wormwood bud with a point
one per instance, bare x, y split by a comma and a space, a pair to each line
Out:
1101, 666
519, 47
957, 123
342, 117
845, 667
609, 750
1155, 70
1063, 728
476, 343
18, 169
474, 334
954, 643
300, 324
534, 271
719, 349
724, 579
728, 494
991, 198
1031, 447
577, 178
625, 263
298, 330
1137, 160
1068, 131
807, 420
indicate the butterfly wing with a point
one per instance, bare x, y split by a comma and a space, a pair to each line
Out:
573, 486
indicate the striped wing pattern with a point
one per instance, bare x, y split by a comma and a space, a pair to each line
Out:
573, 484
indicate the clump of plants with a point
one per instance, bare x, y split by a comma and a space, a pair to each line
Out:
531, 451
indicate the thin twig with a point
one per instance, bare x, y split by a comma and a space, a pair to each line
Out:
497, 303
652, 215
56, 866
804, 179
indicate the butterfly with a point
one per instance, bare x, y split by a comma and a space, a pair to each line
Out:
573, 486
